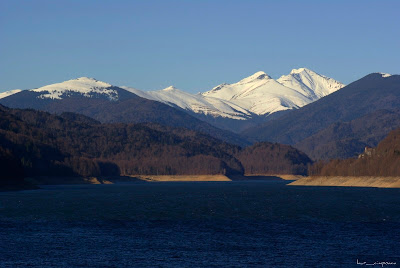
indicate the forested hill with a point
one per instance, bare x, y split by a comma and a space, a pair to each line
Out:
272, 159
74, 145
384, 160
36, 143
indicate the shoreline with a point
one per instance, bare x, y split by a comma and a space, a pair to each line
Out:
172, 178
35, 182
218, 177
362, 181
48, 180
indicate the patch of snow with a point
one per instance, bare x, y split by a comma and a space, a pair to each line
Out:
384, 75
9, 93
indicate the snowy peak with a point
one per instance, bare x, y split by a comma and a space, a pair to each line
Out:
92, 81
257, 76
232, 91
309, 83
170, 88
88, 87
300, 70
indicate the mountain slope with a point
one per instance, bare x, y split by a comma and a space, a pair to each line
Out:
110, 104
373, 92
347, 139
195, 103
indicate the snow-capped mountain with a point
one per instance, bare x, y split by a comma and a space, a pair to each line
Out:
257, 94
88, 87
309, 83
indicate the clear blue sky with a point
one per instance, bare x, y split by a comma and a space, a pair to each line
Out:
193, 45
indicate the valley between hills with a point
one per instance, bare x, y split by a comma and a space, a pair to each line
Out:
302, 124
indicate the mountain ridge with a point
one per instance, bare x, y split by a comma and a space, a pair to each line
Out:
365, 96
242, 103
254, 99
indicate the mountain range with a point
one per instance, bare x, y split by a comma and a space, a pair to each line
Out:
341, 124
250, 101
237, 106
311, 112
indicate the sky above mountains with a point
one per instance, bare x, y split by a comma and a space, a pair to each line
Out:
193, 45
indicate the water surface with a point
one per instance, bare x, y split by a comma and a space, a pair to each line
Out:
199, 224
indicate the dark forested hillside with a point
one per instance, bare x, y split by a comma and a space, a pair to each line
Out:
348, 139
384, 160
237, 126
73, 145
271, 158
36, 143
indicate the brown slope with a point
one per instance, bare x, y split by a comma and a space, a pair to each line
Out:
384, 160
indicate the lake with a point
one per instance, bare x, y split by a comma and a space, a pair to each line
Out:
199, 224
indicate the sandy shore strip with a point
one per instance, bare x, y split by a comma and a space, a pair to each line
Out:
290, 177
153, 178
286, 177
379, 182
93, 180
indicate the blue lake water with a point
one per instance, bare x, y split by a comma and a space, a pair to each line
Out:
204, 224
